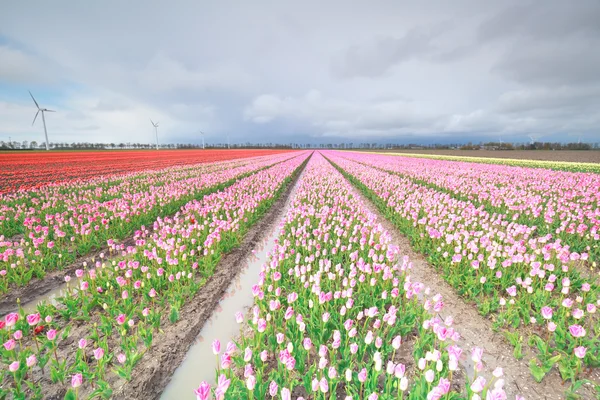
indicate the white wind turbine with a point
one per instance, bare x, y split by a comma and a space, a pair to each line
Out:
202, 133
155, 125
532, 138
42, 110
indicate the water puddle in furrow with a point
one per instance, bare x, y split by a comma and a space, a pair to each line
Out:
48, 298
200, 363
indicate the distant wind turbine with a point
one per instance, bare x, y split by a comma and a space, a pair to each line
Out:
42, 110
202, 133
532, 138
155, 125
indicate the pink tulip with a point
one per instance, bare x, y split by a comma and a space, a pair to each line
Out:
76, 380
362, 375
547, 312
14, 366
10, 344
216, 346
203, 391
31, 360
577, 331
98, 353
250, 382
478, 385
225, 361
33, 319
222, 386
11, 319
580, 351
51, 334
262, 325
121, 319
239, 317
476, 354
273, 389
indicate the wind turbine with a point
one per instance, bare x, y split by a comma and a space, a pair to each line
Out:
42, 110
532, 138
202, 133
155, 125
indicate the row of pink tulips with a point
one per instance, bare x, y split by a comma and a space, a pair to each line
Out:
336, 314
564, 204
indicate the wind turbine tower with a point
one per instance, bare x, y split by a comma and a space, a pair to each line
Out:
202, 133
42, 110
155, 125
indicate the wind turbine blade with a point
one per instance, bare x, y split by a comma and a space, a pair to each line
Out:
152, 122
36, 104
36, 114
45, 109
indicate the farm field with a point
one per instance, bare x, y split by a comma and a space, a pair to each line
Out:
567, 160
540, 155
296, 275
27, 170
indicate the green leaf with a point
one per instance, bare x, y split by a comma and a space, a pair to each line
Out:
66, 332
537, 372
70, 395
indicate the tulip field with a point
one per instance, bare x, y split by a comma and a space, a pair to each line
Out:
336, 312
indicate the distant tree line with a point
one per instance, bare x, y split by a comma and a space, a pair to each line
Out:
530, 146
33, 145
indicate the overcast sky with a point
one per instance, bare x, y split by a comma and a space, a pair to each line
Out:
303, 71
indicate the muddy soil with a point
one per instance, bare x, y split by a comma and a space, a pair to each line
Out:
477, 331
591, 156
154, 371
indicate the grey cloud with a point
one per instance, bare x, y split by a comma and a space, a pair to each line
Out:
543, 20
560, 62
376, 57
551, 100
548, 44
